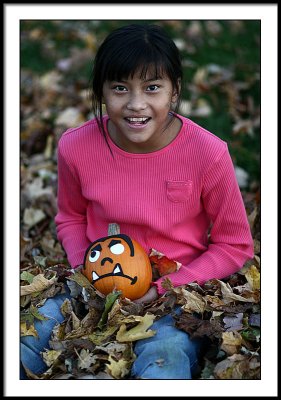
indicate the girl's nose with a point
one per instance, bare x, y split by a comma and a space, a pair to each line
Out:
136, 103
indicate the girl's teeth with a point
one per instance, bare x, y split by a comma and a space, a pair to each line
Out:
137, 120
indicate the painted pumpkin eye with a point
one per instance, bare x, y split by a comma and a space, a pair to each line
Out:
117, 248
94, 255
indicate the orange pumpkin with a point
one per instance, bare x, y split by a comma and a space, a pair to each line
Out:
118, 262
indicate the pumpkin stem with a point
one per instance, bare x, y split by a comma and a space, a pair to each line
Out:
113, 229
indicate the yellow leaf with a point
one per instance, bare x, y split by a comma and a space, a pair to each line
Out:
50, 356
138, 332
118, 369
66, 308
253, 278
98, 337
30, 331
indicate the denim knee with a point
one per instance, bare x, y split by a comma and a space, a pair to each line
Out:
163, 359
169, 354
31, 346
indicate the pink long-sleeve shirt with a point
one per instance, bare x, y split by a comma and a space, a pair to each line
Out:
182, 200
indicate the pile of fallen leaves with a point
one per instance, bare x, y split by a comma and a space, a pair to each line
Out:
96, 339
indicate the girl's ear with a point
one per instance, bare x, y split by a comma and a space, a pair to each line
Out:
175, 97
176, 92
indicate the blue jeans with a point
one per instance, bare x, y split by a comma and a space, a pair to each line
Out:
169, 354
31, 346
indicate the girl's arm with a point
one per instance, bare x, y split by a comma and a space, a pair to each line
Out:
230, 243
71, 218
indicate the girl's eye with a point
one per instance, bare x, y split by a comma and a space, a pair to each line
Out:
117, 248
152, 88
119, 88
94, 256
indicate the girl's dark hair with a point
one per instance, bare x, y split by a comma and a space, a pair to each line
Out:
125, 51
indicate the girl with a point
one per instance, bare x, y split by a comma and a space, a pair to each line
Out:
167, 182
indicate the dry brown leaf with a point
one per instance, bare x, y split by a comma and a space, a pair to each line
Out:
237, 366
231, 342
70, 117
229, 296
51, 81
214, 301
194, 302
38, 284
32, 216
86, 359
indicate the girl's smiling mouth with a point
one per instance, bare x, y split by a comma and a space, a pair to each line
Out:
137, 121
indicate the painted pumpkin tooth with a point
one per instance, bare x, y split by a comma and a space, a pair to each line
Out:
95, 276
117, 269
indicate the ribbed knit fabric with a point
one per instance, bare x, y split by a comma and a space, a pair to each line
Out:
166, 200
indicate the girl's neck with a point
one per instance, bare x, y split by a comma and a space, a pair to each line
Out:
171, 131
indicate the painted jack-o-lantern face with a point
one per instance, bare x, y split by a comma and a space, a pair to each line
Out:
118, 262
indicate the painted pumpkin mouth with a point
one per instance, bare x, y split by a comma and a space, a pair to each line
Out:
117, 271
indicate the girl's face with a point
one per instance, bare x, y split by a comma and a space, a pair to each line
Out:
138, 111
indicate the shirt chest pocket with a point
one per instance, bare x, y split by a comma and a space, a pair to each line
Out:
179, 191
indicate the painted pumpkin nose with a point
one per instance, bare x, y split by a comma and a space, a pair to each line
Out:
103, 261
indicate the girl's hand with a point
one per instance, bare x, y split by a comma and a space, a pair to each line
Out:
149, 296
